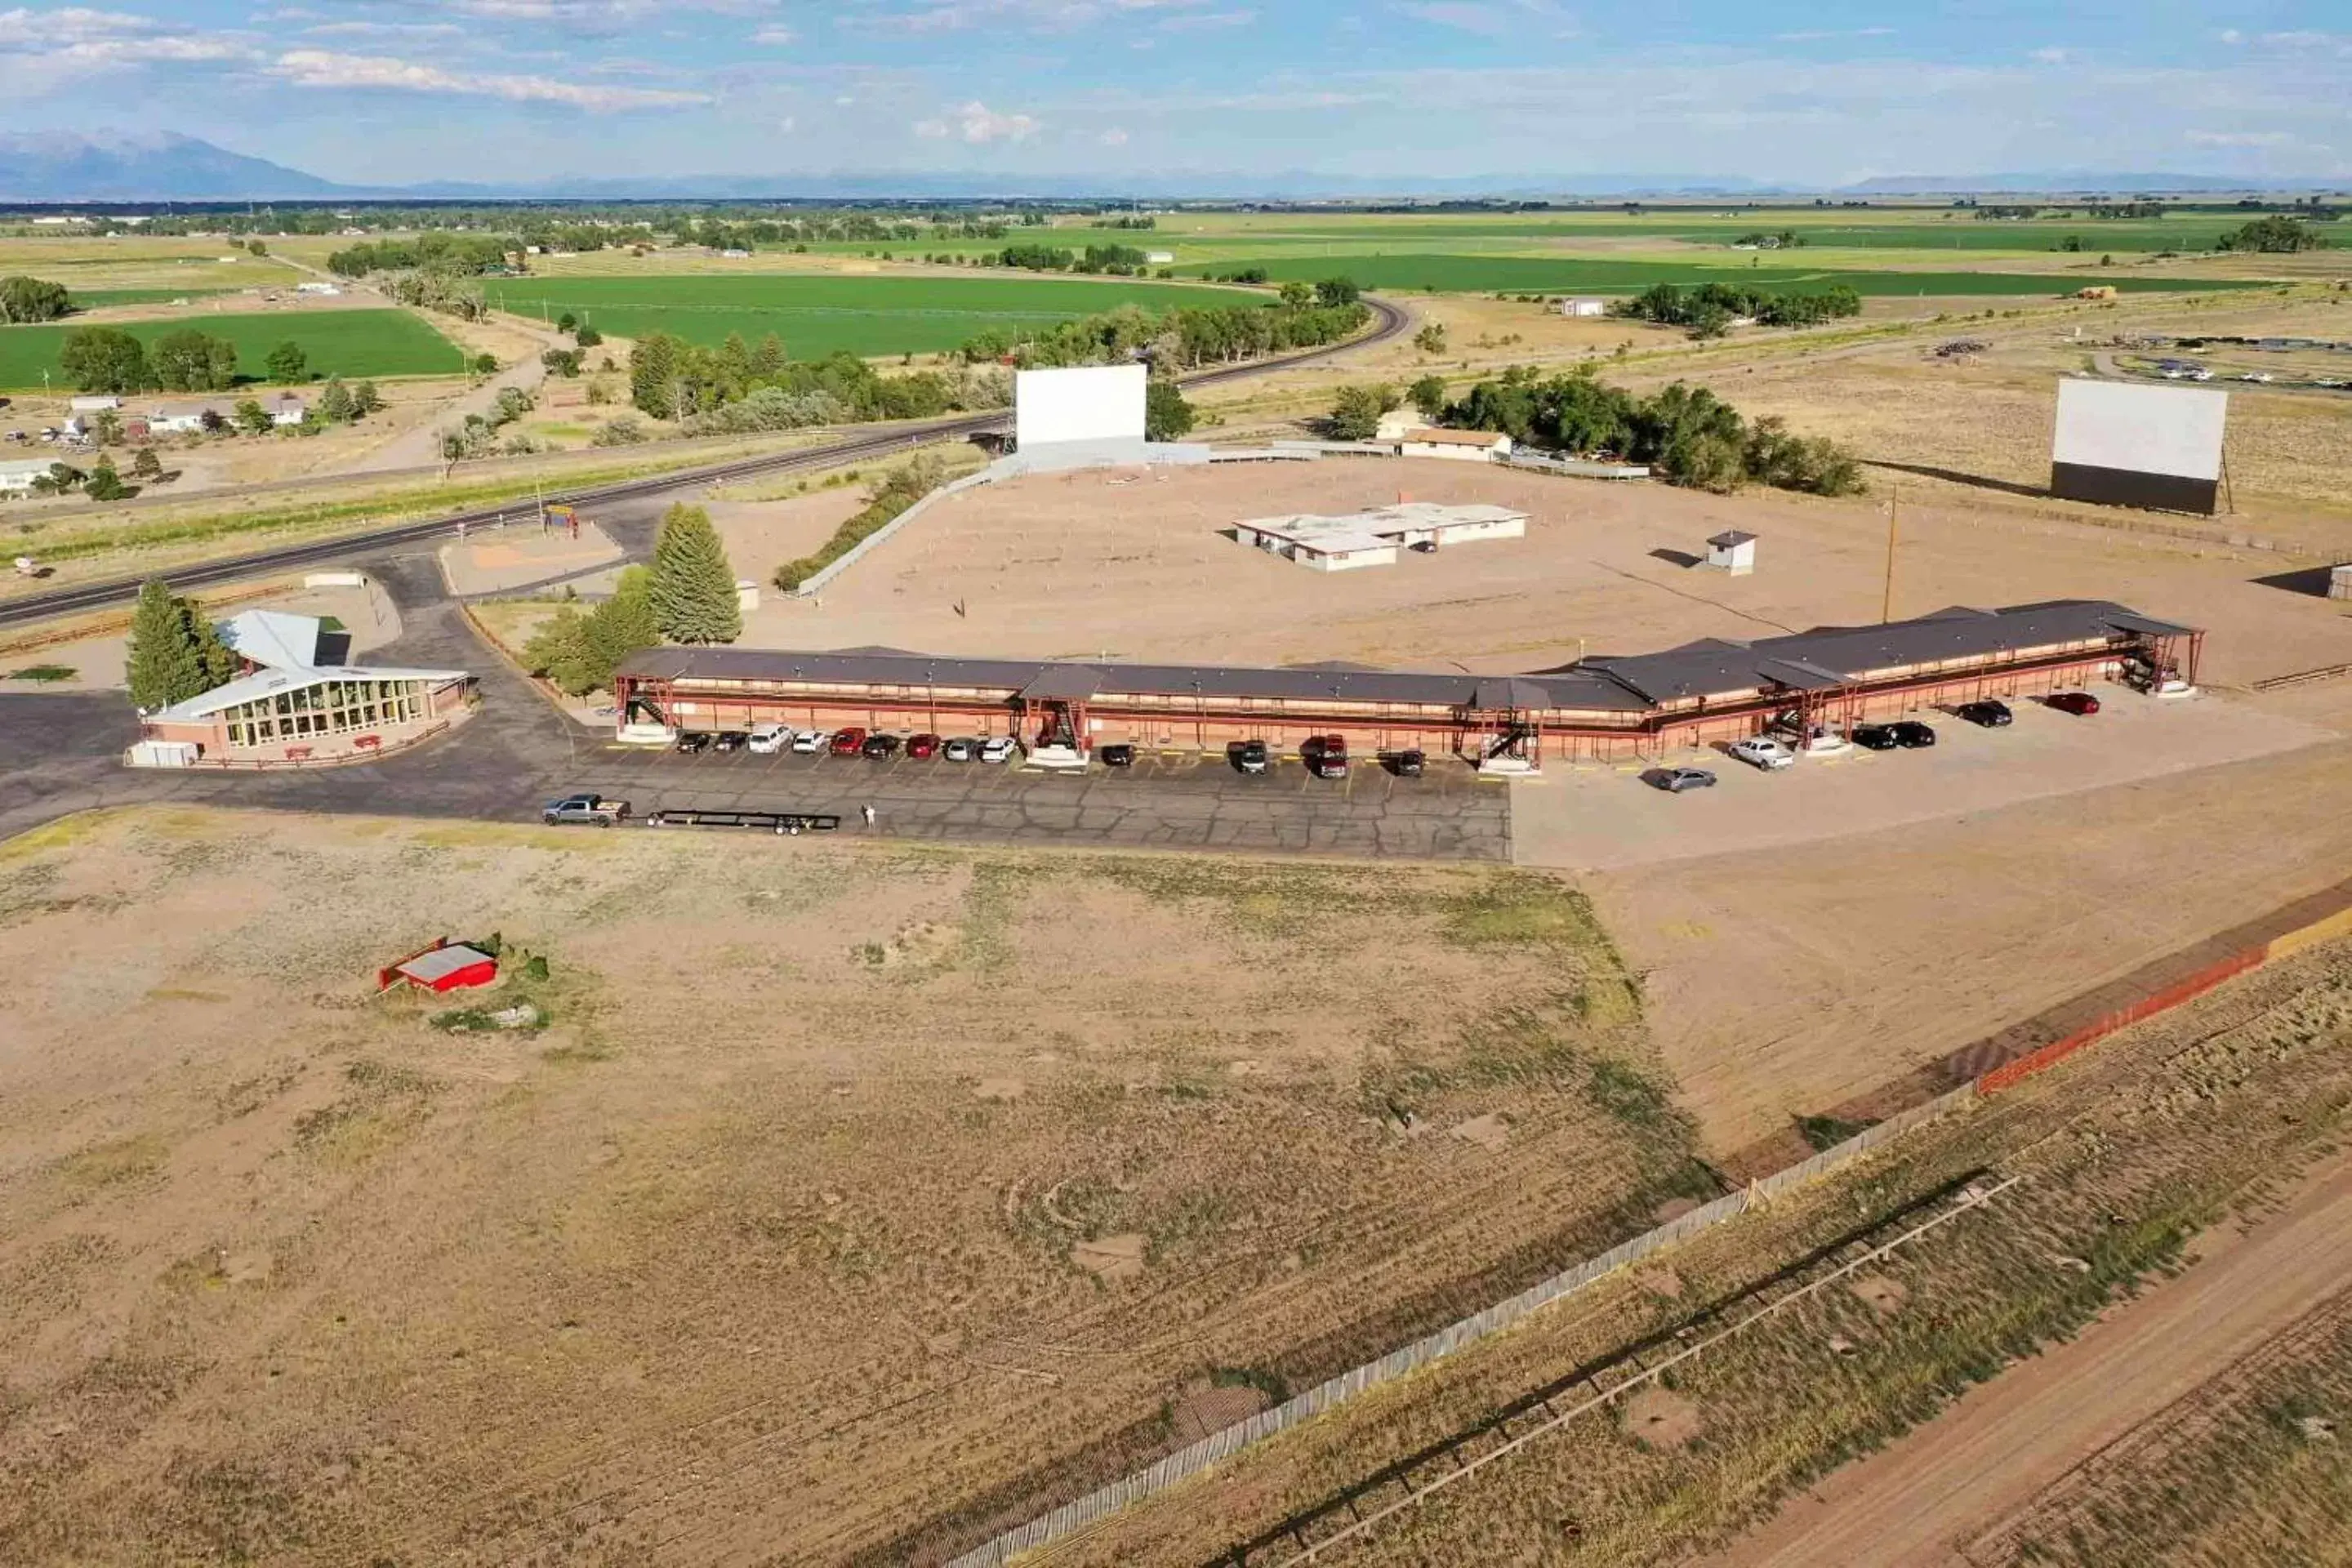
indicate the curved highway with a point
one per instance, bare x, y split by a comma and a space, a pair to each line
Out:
1390, 320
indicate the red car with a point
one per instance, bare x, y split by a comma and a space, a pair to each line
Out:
2082, 704
924, 745
1326, 756
847, 743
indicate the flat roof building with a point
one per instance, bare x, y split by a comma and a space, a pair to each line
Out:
1373, 537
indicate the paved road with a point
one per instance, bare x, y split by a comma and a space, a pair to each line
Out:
60, 753
637, 499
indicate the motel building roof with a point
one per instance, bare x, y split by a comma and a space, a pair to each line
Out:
1824, 658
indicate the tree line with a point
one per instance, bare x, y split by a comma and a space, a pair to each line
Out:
1184, 338
1708, 309
2277, 235
736, 386
437, 250
109, 360
1109, 261
1686, 433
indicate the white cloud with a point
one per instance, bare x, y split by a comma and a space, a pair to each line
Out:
1207, 21
1825, 35
1113, 137
774, 37
2232, 35
1493, 19
2050, 57
1032, 15
2241, 138
324, 68
976, 124
381, 29
787, 125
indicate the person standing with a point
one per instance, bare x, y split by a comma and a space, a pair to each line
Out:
868, 810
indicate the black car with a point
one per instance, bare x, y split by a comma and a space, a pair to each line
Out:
1875, 737
1407, 764
1116, 756
878, 746
1912, 735
1248, 756
730, 741
1992, 715
694, 740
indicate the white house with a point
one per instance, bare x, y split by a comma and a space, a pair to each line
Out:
1457, 445
17, 474
1584, 307
185, 416
286, 409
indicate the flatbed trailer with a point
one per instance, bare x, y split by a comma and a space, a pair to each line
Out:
758, 821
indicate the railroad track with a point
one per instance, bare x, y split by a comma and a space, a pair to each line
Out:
1391, 320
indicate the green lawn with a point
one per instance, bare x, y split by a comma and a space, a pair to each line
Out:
814, 316
337, 342
1481, 274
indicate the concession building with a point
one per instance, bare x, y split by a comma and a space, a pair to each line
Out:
1599, 708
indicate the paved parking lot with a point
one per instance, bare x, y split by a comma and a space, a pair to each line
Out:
1606, 817
1163, 802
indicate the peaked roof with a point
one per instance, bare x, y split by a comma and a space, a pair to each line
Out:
274, 638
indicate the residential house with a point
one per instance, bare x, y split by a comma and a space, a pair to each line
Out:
1457, 445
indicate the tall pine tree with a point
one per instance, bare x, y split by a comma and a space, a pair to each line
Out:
166, 664
693, 588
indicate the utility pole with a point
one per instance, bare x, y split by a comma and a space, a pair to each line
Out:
1886, 601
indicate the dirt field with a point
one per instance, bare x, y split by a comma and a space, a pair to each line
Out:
1132, 565
2133, 1156
844, 1187
1962, 1477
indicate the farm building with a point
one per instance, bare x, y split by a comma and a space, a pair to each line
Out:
1584, 307
1460, 446
1373, 537
1599, 708
444, 967
17, 474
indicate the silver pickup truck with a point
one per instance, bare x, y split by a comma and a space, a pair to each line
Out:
593, 808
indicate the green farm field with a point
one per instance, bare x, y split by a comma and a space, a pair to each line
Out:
817, 315
1467, 273
337, 342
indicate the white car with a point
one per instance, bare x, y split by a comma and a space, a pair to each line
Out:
767, 740
997, 749
809, 741
1763, 751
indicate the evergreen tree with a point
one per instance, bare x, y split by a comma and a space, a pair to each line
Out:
146, 465
624, 623
164, 665
215, 658
653, 375
365, 400
693, 588
335, 402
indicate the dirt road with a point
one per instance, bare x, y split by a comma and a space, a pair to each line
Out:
1923, 1500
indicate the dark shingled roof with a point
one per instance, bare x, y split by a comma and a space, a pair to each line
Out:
1819, 659
1835, 656
1049, 680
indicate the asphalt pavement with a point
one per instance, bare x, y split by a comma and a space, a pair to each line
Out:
61, 754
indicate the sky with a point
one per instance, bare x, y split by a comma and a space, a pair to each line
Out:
372, 92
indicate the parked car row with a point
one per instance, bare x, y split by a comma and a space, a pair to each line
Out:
1770, 753
769, 739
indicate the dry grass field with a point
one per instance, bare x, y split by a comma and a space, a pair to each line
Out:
2131, 1155
842, 1189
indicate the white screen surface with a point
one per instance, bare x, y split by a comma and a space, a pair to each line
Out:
1101, 402
2173, 430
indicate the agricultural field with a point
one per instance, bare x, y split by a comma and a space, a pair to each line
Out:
382, 342
818, 315
1444, 272
831, 1188
94, 268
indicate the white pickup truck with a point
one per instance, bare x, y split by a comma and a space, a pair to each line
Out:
593, 808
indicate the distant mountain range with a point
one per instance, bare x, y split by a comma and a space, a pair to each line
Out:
63, 167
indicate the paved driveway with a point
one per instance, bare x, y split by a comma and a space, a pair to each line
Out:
58, 754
